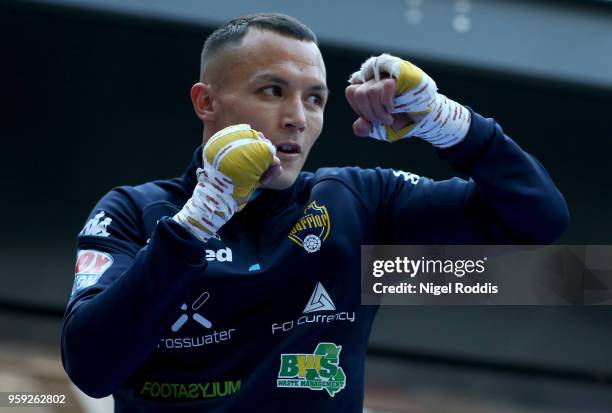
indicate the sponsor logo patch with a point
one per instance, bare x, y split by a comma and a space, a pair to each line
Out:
317, 371
221, 255
319, 301
199, 318
312, 229
97, 226
188, 391
90, 266
192, 313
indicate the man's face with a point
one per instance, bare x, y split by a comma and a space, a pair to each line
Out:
277, 85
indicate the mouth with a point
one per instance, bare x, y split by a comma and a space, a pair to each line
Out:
288, 150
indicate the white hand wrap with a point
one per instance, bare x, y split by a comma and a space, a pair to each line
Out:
446, 123
210, 206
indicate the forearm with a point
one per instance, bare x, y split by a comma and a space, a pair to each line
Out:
510, 183
107, 337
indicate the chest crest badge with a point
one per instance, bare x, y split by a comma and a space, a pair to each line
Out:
312, 229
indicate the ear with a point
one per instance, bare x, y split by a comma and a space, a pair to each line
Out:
202, 100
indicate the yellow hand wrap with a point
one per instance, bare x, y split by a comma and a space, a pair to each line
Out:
241, 154
408, 76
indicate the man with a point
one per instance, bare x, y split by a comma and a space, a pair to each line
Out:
236, 286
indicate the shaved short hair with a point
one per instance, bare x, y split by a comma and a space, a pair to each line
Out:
234, 31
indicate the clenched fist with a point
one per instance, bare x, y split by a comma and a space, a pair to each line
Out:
243, 155
395, 99
235, 161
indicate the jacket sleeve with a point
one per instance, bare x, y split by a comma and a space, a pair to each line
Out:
508, 198
125, 293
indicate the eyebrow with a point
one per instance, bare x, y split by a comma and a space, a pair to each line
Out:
320, 87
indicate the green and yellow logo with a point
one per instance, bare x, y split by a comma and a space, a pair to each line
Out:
318, 371
312, 229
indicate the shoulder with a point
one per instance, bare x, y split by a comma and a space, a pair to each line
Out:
127, 212
356, 176
369, 185
140, 197
170, 190
344, 175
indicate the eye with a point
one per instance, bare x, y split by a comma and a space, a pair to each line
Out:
272, 91
316, 99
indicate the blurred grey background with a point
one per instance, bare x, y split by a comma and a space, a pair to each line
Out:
95, 94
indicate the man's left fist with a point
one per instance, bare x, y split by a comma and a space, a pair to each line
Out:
395, 99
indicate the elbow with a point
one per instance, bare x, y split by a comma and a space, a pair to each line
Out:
92, 390
81, 367
553, 223
559, 219
87, 378
563, 220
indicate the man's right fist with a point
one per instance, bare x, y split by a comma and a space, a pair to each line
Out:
242, 154
384, 112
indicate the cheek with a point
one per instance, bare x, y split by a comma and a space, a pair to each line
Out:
318, 122
235, 108
251, 111
316, 125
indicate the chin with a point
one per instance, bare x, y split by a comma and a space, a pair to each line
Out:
283, 181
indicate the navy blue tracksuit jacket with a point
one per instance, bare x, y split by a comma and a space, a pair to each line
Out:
267, 315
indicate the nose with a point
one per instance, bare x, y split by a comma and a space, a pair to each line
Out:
294, 114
